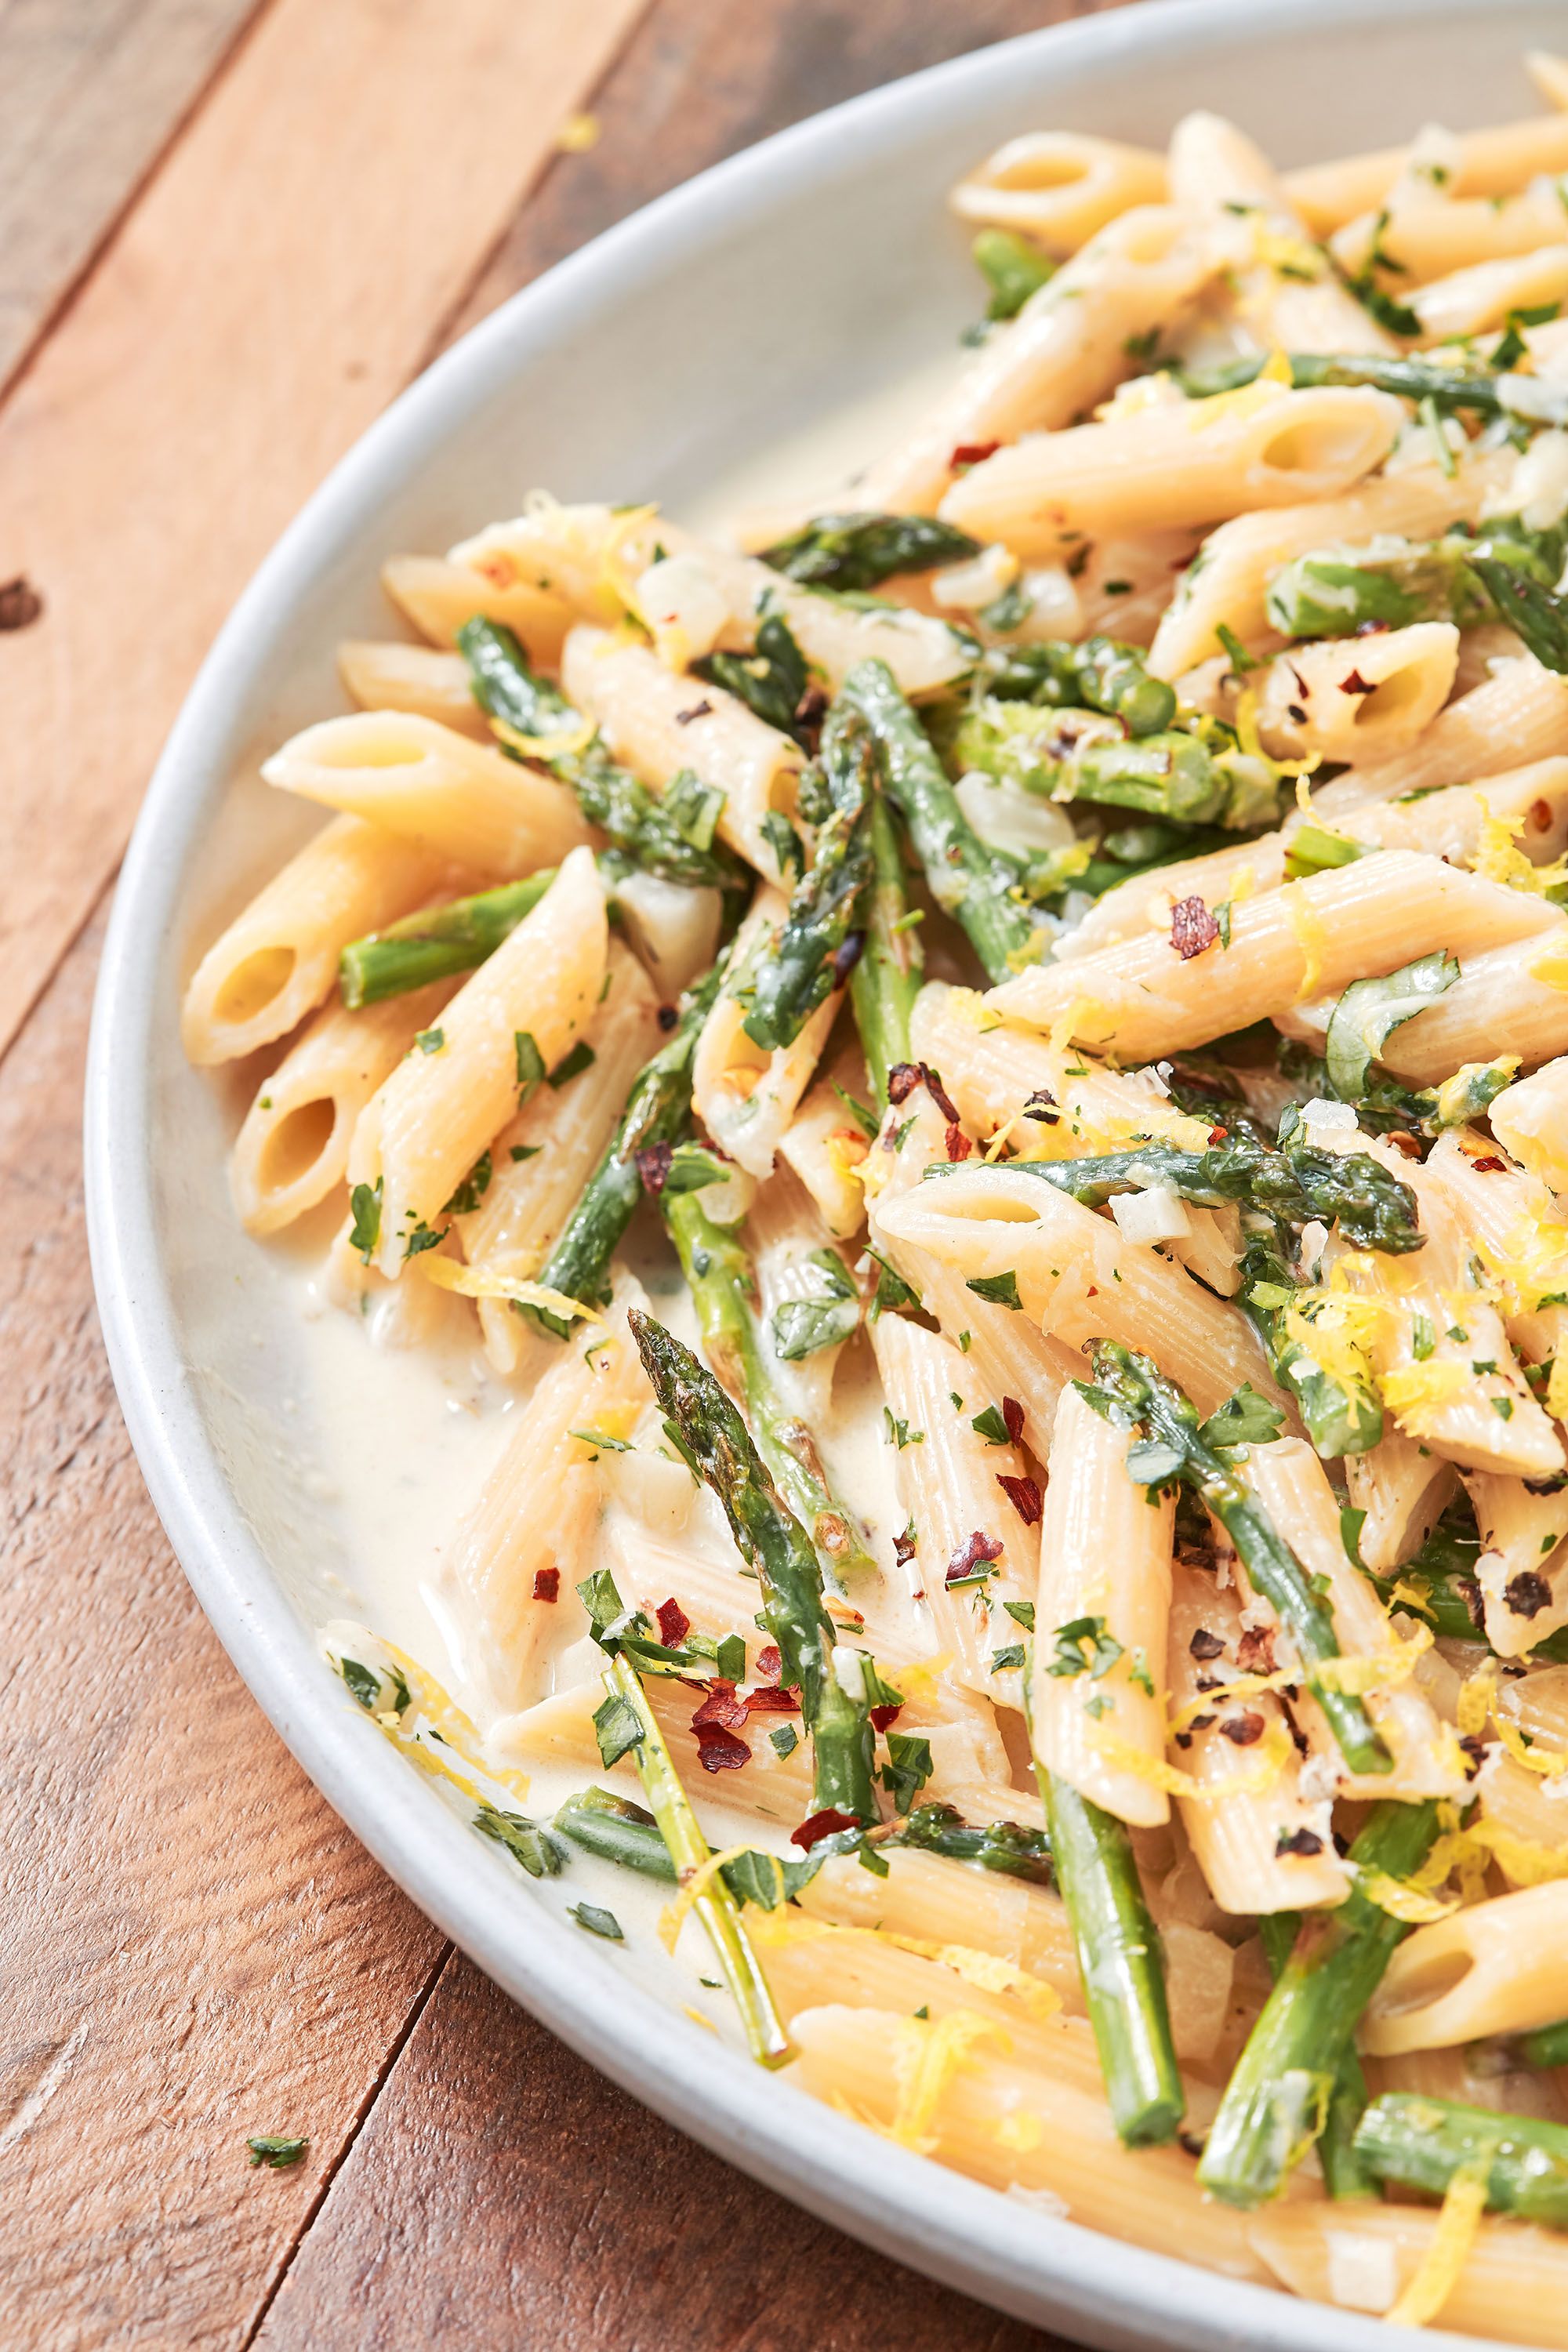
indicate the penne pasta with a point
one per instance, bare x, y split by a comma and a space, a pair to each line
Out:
417, 678
1060, 187
438, 595
1496, 161
1355, 698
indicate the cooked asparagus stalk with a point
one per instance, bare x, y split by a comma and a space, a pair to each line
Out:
659, 1111
1276, 2098
437, 942
821, 938
672, 836
1547, 2047
718, 1270
853, 553
830, 1677
689, 1851
1344, 2175
978, 886
1341, 1413
1132, 1388
1100, 674
772, 680
1413, 376
1334, 592
1004, 1846
1422, 2143
886, 981
1187, 776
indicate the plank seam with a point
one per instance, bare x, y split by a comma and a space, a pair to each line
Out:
383, 2074
66, 301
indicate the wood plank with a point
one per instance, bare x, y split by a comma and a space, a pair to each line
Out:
90, 92
276, 285
503, 2194
701, 79
193, 1948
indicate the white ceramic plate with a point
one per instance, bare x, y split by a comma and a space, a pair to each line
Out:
775, 290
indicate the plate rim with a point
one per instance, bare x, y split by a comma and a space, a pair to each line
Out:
1056, 2272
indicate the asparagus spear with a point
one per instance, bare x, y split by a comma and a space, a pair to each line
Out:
1129, 1388
718, 1270
977, 885
1334, 592
1373, 1209
1100, 674
886, 981
1342, 1414
1422, 2143
819, 940
1413, 376
1013, 267
1537, 616
671, 837
659, 1110
689, 1850
1189, 776
772, 680
1547, 2046
1276, 2098
1344, 2174
437, 942
831, 1680
1119, 1959
1004, 1846
852, 552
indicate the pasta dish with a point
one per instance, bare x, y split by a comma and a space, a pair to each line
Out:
980, 1063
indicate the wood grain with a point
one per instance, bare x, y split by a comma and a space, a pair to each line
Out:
276, 285
90, 93
193, 1948
502, 2194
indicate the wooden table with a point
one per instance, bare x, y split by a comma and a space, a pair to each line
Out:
229, 232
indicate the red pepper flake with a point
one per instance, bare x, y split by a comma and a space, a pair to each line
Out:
1025, 1496
1539, 815
1219, 1134
1204, 1645
720, 1705
959, 1147
668, 1017
1241, 1730
971, 453
773, 1698
20, 604
1192, 927
547, 1584
674, 1624
698, 710
1093, 1291
1012, 1419
1042, 1105
1403, 1141
902, 1080
1305, 1841
846, 955
938, 1094
904, 1547
972, 1555
719, 1750
882, 1716
821, 1825
653, 1166
1255, 1651
1353, 683
768, 1663
1490, 1166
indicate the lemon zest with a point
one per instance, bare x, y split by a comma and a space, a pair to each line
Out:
447, 1721
1498, 857
1419, 1394
565, 746
1476, 1700
1401, 1900
1550, 966
1377, 1670
1244, 1687
1557, 1387
927, 2056
1023, 2131
1259, 1773
1310, 936
482, 1282
1448, 2247
693, 1887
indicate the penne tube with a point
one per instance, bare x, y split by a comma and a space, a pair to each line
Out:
786, 1236
1105, 1556
1493, 1967
1141, 998
1530, 1119
425, 1129
1060, 187
1260, 1850
1290, 1483
826, 1146
1508, 1218
1403, 1489
418, 679
438, 595
746, 1095
1524, 1813
1350, 699
1066, 349
542, 1157
1005, 2124
276, 960
1078, 1278
1496, 161
1228, 582
1477, 2077
512, 1565
1521, 713
950, 1488
1469, 301
1286, 296
1428, 236
294, 1144
660, 724
462, 800
1512, 2289
1173, 465
933, 1900
1522, 1565
1515, 995
810, 1961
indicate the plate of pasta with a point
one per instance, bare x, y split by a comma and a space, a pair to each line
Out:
828, 1137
